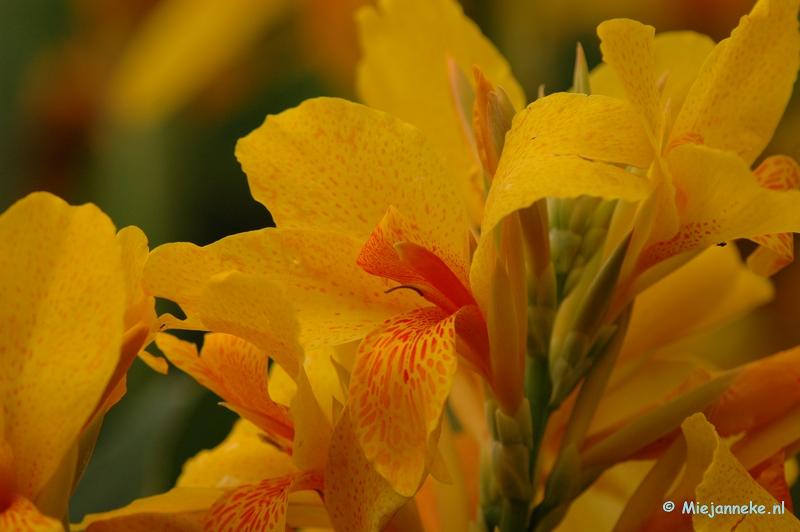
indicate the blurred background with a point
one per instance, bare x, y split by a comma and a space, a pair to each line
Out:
136, 105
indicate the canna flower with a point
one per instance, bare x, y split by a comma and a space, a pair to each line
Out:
72, 319
264, 475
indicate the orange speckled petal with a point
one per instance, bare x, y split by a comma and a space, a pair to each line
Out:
255, 309
744, 85
175, 501
766, 390
775, 251
134, 255
421, 261
357, 497
719, 199
258, 507
678, 55
236, 371
337, 301
547, 149
406, 46
242, 458
61, 317
398, 389
22, 516
334, 165
726, 482
627, 46
708, 292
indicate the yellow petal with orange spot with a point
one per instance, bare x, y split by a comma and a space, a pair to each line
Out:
708, 292
180, 49
358, 498
22, 515
742, 90
718, 199
236, 371
260, 506
174, 502
404, 71
724, 481
255, 309
777, 250
61, 318
334, 165
243, 457
627, 46
678, 58
398, 390
337, 301
546, 155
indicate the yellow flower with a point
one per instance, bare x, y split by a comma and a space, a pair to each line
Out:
261, 475
72, 319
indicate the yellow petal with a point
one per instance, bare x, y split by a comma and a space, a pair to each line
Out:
61, 318
744, 85
256, 310
546, 154
260, 506
678, 56
404, 71
334, 165
725, 482
175, 501
337, 301
719, 199
357, 497
183, 522
242, 458
312, 429
775, 251
236, 371
627, 46
134, 255
23, 516
181, 48
398, 390
708, 292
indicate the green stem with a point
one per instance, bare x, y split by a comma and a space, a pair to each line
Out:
537, 390
515, 516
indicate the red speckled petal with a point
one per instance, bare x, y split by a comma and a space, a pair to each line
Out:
330, 164
776, 251
744, 85
259, 507
336, 300
235, 370
719, 198
627, 46
398, 388
357, 497
62, 300
433, 269
22, 516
